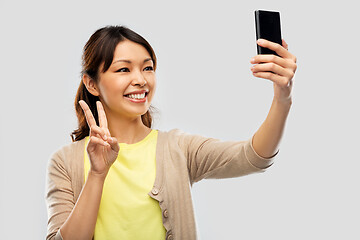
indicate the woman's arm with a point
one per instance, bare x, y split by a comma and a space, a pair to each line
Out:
267, 138
103, 151
81, 222
280, 70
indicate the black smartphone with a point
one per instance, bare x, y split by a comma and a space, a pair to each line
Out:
267, 24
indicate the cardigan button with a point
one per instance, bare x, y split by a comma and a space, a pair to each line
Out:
155, 191
170, 237
165, 213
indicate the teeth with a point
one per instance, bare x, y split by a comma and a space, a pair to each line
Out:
137, 96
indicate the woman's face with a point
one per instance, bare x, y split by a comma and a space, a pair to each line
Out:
128, 86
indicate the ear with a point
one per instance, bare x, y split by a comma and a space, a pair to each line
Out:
90, 85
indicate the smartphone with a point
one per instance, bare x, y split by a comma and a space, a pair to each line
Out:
267, 24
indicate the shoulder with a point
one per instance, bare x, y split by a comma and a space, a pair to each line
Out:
179, 138
173, 132
177, 133
66, 154
171, 136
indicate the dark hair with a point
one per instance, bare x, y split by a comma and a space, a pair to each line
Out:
99, 50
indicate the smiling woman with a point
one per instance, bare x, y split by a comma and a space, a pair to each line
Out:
121, 179
104, 46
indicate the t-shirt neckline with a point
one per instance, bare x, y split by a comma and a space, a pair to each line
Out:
143, 141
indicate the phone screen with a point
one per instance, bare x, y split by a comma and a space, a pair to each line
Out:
267, 27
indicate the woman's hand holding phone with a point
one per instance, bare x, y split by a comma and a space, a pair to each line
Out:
102, 148
278, 69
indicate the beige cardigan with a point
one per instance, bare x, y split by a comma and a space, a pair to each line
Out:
181, 160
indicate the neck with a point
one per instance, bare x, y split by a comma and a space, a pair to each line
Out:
127, 130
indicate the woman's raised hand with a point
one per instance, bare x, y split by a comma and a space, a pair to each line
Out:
278, 69
102, 148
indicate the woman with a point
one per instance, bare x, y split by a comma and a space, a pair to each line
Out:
120, 179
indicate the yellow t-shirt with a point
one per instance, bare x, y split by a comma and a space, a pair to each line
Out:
126, 210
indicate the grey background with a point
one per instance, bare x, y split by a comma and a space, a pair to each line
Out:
205, 87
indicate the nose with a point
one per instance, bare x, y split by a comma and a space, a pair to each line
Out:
139, 79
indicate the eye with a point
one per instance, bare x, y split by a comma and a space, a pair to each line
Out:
149, 68
123, 70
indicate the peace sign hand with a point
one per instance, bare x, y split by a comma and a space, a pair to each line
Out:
102, 148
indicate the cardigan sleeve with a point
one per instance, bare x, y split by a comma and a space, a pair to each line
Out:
59, 195
213, 158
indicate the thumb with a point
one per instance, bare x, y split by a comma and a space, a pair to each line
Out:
114, 144
285, 45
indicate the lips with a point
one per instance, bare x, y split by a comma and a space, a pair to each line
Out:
137, 92
137, 97
136, 100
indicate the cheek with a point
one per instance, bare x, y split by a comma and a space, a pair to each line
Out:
112, 92
153, 90
152, 82
150, 97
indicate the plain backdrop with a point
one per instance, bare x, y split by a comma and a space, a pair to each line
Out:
205, 87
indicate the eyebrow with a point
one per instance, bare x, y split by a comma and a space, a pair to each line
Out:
128, 61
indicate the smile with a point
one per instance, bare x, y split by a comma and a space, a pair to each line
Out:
137, 98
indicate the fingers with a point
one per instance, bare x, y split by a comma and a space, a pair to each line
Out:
267, 58
110, 143
102, 116
274, 68
114, 144
279, 69
88, 114
99, 135
91, 120
97, 141
285, 45
274, 72
94, 143
279, 80
280, 50
99, 132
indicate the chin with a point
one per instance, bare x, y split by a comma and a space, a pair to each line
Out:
137, 112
